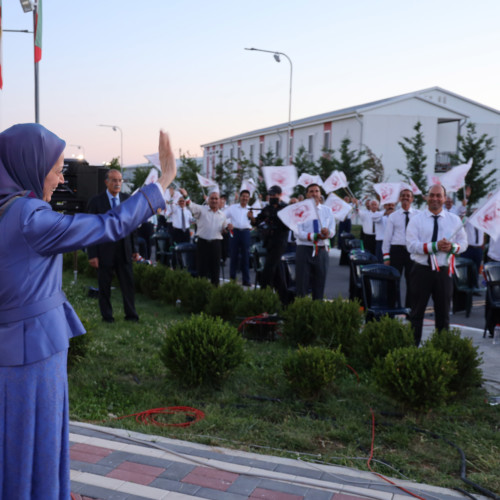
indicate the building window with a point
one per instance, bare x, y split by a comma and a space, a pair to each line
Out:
251, 152
277, 149
310, 144
231, 153
290, 148
261, 150
326, 140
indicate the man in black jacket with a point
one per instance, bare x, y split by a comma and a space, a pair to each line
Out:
115, 256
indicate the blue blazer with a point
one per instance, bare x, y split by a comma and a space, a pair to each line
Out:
36, 321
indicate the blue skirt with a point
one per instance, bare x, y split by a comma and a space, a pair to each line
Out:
34, 431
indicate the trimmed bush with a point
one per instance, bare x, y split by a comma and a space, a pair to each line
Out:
464, 354
258, 301
417, 378
328, 323
174, 281
151, 281
380, 337
223, 300
139, 270
195, 294
312, 370
78, 346
82, 266
202, 350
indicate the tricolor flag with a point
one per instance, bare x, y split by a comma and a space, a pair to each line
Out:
336, 181
298, 213
339, 207
38, 32
1, 80
388, 191
487, 217
306, 180
454, 179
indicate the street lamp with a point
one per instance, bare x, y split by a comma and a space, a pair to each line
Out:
276, 56
115, 128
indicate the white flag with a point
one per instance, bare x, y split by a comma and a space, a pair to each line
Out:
205, 182
414, 188
306, 180
388, 191
297, 213
285, 177
249, 185
454, 179
152, 177
433, 180
154, 159
487, 217
336, 181
339, 207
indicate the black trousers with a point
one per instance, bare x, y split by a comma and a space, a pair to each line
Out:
400, 259
426, 283
123, 270
311, 271
369, 243
208, 254
272, 274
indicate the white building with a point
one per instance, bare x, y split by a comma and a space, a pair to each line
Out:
378, 125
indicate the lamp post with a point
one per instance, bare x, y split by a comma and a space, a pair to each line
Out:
115, 128
277, 55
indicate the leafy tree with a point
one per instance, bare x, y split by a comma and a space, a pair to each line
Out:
375, 171
187, 179
350, 162
476, 147
246, 169
326, 164
139, 176
224, 176
413, 148
115, 164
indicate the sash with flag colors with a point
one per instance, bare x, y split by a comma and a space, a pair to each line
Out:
38, 32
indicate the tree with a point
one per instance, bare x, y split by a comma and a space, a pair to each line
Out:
375, 171
115, 164
139, 176
224, 176
186, 178
477, 148
413, 148
350, 163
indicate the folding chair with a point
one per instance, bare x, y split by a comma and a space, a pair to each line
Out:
492, 312
464, 285
186, 257
357, 259
288, 270
381, 292
164, 254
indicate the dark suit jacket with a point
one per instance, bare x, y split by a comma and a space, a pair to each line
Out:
106, 252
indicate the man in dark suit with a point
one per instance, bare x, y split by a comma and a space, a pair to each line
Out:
115, 256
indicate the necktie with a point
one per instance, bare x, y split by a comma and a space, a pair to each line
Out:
183, 220
373, 227
407, 218
476, 232
113, 202
435, 230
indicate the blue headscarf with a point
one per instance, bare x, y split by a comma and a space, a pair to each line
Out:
28, 152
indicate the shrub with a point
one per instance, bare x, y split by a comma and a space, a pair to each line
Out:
380, 337
139, 270
258, 301
78, 346
312, 370
152, 281
202, 350
417, 378
173, 282
195, 294
464, 354
328, 323
82, 263
223, 300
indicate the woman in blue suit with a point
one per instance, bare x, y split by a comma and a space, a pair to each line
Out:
36, 321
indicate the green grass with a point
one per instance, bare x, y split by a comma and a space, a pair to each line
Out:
255, 410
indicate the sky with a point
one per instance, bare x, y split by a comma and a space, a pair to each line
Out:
180, 65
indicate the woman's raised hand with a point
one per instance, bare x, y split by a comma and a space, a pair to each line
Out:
167, 161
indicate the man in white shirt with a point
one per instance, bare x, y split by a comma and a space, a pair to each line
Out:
210, 224
380, 222
394, 249
433, 238
313, 243
239, 244
181, 220
367, 218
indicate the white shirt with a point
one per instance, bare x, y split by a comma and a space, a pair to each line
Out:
177, 217
367, 218
494, 249
210, 224
420, 229
306, 229
395, 228
472, 232
238, 216
380, 227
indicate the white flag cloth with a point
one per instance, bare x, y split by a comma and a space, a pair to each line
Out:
388, 191
249, 185
306, 180
414, 188
297, 213
284, 176
154, 159
171, 197
205, 182
152, 177
339, 207
336, 181
433, 180
454, 179
256, 204
487, 217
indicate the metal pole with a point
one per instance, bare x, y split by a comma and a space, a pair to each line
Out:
37, 109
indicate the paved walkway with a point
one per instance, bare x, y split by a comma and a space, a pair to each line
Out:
114, 464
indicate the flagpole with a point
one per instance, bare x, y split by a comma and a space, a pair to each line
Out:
37, 109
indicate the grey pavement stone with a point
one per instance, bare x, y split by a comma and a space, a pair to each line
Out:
173, 485
283, 487
177, 471
100, 470
97, 492
153, 461
244, 485
219, 495
312, 494
258, 464
114, 459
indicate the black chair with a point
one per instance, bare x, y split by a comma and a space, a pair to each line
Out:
258, 257
353, 244
492, 313
357, 259
344, 238
464, 285
163, 243
185, 254
381, 293
288, 271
